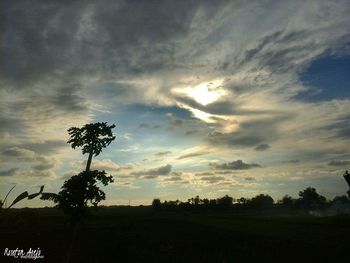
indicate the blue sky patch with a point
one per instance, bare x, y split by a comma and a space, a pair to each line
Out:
328, 78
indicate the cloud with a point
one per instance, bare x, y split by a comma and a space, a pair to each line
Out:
235, 165
292, 161
20, 173
262, 147
189, 155
143, 125
45, 163
250, 133
66, 64
177, 122
212, 179
194, 152
338, 163
149, 126
162, 153
249, 178
154, 172
107, 165
10, 172
190, 132
234, 139
46, 147
20, 153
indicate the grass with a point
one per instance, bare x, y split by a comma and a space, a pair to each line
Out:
137, 234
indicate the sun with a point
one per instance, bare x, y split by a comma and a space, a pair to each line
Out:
203, 93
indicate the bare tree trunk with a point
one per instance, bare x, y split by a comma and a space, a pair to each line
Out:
88, 164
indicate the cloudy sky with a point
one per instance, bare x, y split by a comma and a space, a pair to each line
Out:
208, 97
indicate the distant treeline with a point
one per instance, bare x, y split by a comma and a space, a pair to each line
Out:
308, 199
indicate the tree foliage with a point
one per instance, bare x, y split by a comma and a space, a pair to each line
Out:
82, 189
91, 137
309, 198
261, 201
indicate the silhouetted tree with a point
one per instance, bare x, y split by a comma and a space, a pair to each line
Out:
156, 204
341, 199
205, 202
340, 202
261, 201
242, 201
196, 200
309, 198
82, 189
287, 201
225, 202
347, 178
92, 138
212, 203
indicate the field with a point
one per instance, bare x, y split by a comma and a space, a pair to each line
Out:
138, 234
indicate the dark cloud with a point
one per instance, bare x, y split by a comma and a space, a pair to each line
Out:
42, 38
46, 147
149, 126
234, 139
344, 133
45, 163
292, 161
262, 147
10, 172
20, 153
235, 165
338, 163
143, 125
189, 155
251, 133
69, 99
162, 153
11, 125
278, 59
174, 179
154, 172
190, 132
43, 166
177, 122
262, 43
212, 179
249, 179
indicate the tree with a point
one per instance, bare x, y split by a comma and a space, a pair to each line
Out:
82, 189
242, 201
261, 201
287, 201
156, 204
92, 138
225, 201
347, 178
309, 198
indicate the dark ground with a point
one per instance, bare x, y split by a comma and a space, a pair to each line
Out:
136, 234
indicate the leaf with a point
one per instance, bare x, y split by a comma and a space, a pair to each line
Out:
33, 195
50, 196
19, 198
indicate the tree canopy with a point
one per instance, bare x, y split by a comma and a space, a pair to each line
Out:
92, 138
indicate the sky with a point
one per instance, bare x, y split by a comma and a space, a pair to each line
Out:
209, 97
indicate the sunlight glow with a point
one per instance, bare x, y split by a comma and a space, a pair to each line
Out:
204, 93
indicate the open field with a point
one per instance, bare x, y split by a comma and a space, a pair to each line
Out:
137, 234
